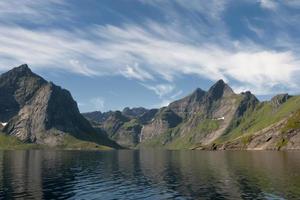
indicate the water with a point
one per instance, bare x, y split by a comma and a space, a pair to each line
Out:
149, 174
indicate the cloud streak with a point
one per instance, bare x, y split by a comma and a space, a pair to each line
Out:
161, 89
33, 11
150, 51
139, 54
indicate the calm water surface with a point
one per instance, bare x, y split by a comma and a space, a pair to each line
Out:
149, 174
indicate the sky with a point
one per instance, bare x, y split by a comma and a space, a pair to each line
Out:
114, 54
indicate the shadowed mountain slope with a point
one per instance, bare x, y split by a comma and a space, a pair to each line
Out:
37, 111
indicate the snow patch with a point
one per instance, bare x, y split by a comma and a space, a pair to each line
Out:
220, 118
3, 123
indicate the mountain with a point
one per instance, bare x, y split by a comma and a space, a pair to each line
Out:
97, 116
134, 112
37, 111
123, 127
213, 119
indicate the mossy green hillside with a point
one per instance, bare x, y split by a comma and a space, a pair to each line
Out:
261, 117
171, 139
69, 142
13, 143
293, 123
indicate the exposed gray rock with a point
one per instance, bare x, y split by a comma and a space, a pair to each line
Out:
97, 116
134, 112
279, 99
17, 86
42, 112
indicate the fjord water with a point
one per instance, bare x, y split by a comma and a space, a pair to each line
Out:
149, 174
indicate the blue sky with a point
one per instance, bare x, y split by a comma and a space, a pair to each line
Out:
112, 54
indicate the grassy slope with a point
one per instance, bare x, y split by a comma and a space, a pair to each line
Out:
70, 142
262, 117
293, 123
13, 143
172, 140
189, 140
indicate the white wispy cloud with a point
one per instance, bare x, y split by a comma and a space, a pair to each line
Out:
98, 103
268, 4
34, 11
152, 50
136, 72
160, 89
117, 50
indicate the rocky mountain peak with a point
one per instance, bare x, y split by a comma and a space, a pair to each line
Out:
134, 112
280, 99
40, 112
21, 71
197, 94
22, 68
219, 89
17, 86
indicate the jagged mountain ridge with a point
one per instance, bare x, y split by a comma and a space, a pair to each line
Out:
123, 127
37, 111
206, 120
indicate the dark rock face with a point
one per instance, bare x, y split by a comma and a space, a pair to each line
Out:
148, 116
123, 127
134, 112
218, 90
138, 125
120, 128
97, 116
279, 99
213, 119
191, 111
16, 88
171, 118
249, 101
188, 104
42, 112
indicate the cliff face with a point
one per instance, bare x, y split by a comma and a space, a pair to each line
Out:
40, 112
122, 127
16, 88
204, 116
272, 125
213, 119
198, 119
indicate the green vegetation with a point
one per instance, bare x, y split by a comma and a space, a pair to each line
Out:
172, 140
293, 122
201, 130
162, 139
131, 124
246, 139
13, 143
69, 142
207, 126
281, 143
263, 116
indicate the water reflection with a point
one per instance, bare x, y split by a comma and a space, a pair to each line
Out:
149, 174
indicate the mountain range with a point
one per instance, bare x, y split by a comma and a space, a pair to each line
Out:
36, 111
214, 119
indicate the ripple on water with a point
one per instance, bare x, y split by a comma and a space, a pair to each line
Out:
149, 174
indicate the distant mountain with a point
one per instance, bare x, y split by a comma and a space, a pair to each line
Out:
123, 127
134, 112
37, 111
213, 119
98, 116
